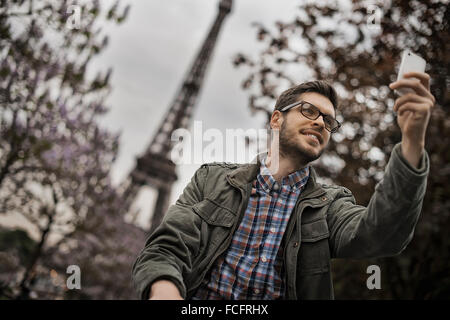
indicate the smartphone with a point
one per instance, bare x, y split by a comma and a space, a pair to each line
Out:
410, 62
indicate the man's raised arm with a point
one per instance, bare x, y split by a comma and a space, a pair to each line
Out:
387, 225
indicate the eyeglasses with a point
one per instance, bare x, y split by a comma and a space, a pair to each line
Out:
311, 112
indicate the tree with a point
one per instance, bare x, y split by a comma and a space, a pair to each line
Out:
356, 46
55, 158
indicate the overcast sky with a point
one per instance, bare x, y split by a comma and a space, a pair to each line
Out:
151, 52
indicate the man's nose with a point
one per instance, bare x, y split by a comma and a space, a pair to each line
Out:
319, 122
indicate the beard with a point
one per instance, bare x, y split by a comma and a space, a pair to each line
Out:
290, 148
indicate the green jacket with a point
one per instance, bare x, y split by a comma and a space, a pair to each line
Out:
326, 223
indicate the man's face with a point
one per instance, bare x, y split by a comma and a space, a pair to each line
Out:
302, 138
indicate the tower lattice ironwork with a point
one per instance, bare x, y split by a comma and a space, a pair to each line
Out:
155, 168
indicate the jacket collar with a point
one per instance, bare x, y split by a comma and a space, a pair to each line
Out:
246, 174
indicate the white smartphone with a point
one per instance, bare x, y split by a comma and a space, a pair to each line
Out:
410, 62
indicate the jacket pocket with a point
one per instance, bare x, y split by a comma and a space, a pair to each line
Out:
315, 231
314, 252
214, 214
216, 223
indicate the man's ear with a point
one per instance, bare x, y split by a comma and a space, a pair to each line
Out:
276, 120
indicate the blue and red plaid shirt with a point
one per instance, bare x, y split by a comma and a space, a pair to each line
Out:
251, 268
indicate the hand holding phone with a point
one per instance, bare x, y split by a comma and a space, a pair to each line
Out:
410, 62
413, 110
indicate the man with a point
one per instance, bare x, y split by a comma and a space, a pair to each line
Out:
268, 230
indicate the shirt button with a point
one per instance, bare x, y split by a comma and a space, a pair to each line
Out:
263, 259
295, 244
273, 230
324, 198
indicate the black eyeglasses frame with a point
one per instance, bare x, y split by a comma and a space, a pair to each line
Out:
301, 103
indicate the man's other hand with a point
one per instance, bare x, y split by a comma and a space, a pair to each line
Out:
164, 290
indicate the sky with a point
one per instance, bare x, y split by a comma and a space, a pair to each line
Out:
151, 52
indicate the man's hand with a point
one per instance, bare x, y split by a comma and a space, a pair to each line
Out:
164, 290
414, 110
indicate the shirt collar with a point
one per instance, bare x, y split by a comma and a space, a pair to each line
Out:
295, 180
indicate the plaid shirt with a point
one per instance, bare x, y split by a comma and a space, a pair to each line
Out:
251, 268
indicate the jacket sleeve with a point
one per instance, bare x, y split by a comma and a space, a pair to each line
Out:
169, 251
386, 225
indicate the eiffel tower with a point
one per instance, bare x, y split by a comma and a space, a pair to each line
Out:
154, 168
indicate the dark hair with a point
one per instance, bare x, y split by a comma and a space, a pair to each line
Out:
291, 95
